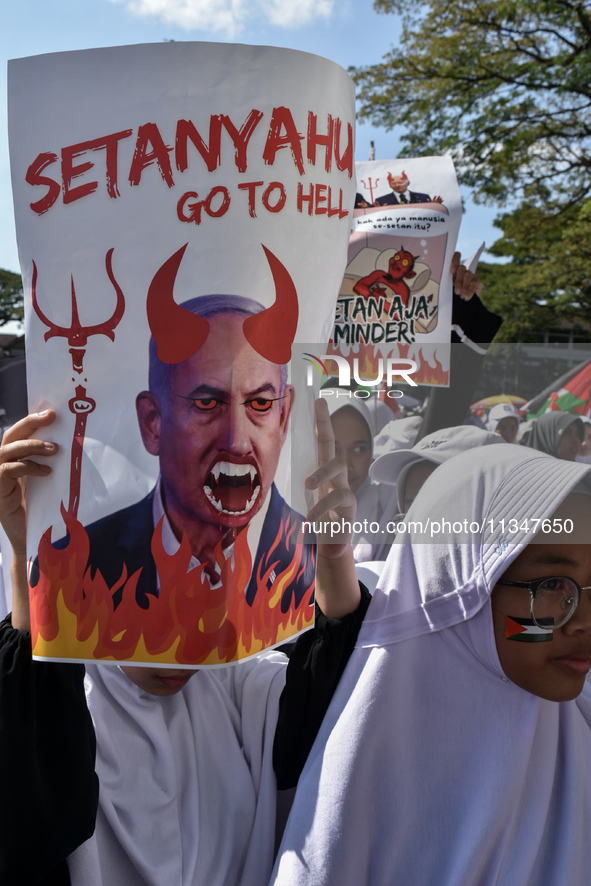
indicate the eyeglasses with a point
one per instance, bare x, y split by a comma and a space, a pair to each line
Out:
552, 600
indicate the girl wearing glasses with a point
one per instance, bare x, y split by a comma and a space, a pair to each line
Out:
457, 748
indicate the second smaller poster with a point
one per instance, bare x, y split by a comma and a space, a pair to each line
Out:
395, 302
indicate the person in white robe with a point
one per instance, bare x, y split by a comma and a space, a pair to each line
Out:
184, 757
456, 749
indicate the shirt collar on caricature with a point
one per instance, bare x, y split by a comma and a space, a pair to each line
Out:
405, 194
171, 545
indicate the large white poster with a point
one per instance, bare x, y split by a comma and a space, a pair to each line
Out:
198, 197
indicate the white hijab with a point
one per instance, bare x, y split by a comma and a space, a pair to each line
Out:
431, 767
371, 498
187, 788
374, 506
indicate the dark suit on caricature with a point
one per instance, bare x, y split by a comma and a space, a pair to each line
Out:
124, 538
392, 199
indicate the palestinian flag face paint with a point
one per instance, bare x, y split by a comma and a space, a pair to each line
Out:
527, 631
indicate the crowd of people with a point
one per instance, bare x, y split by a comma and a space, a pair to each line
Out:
437, 732
450, 753
386, 471
456, 748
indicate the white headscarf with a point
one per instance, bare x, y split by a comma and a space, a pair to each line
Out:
187, 788
431, 767
372, 500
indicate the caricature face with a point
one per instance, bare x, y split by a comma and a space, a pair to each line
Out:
353, 444
569, 444
401, 263
554, 669
158, 681
398, 183
218, 428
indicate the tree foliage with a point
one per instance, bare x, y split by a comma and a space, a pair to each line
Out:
502, 85
548, 278
11, 297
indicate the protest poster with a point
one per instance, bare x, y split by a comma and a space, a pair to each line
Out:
201, 194
395, 302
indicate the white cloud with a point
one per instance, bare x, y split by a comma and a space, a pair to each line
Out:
229, 16
293, 13
205, 15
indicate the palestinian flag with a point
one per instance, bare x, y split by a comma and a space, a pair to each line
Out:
526, 630
569, 393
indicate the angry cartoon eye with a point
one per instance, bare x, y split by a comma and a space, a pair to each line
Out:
260, 404
205, 404
405, 262
397, 257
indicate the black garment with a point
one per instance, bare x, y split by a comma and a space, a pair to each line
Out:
47, 748
47, 743
314, 670
475, 327
392, 199
474, 320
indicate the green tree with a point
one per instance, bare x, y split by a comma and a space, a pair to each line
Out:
548, 278
502, 85
11, 297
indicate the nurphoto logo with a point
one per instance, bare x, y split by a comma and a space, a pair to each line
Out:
395, 368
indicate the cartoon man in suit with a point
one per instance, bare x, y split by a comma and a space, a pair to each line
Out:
216, 415
401, 194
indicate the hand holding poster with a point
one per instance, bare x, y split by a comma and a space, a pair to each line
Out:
180, 196
395, 301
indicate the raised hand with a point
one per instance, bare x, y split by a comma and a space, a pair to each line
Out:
466, 284
337, 589
19, 446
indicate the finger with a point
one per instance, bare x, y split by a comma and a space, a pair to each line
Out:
310, 498
334, 470
455, 262
324, 432
341, 501
468, 288
21, 449
468, 285
11, 472
27, 426
458, 280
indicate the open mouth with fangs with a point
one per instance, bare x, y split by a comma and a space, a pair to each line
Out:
232, 488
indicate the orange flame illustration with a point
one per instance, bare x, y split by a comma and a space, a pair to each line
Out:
429, 375
189, 622
368, 356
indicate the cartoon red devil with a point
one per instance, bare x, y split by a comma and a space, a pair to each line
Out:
400, 268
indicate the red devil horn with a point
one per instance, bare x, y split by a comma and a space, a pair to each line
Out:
272, 332
178, 333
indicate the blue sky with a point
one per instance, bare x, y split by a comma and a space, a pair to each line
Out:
349, 32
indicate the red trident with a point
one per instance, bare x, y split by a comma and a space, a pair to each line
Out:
77, 335
370, 186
